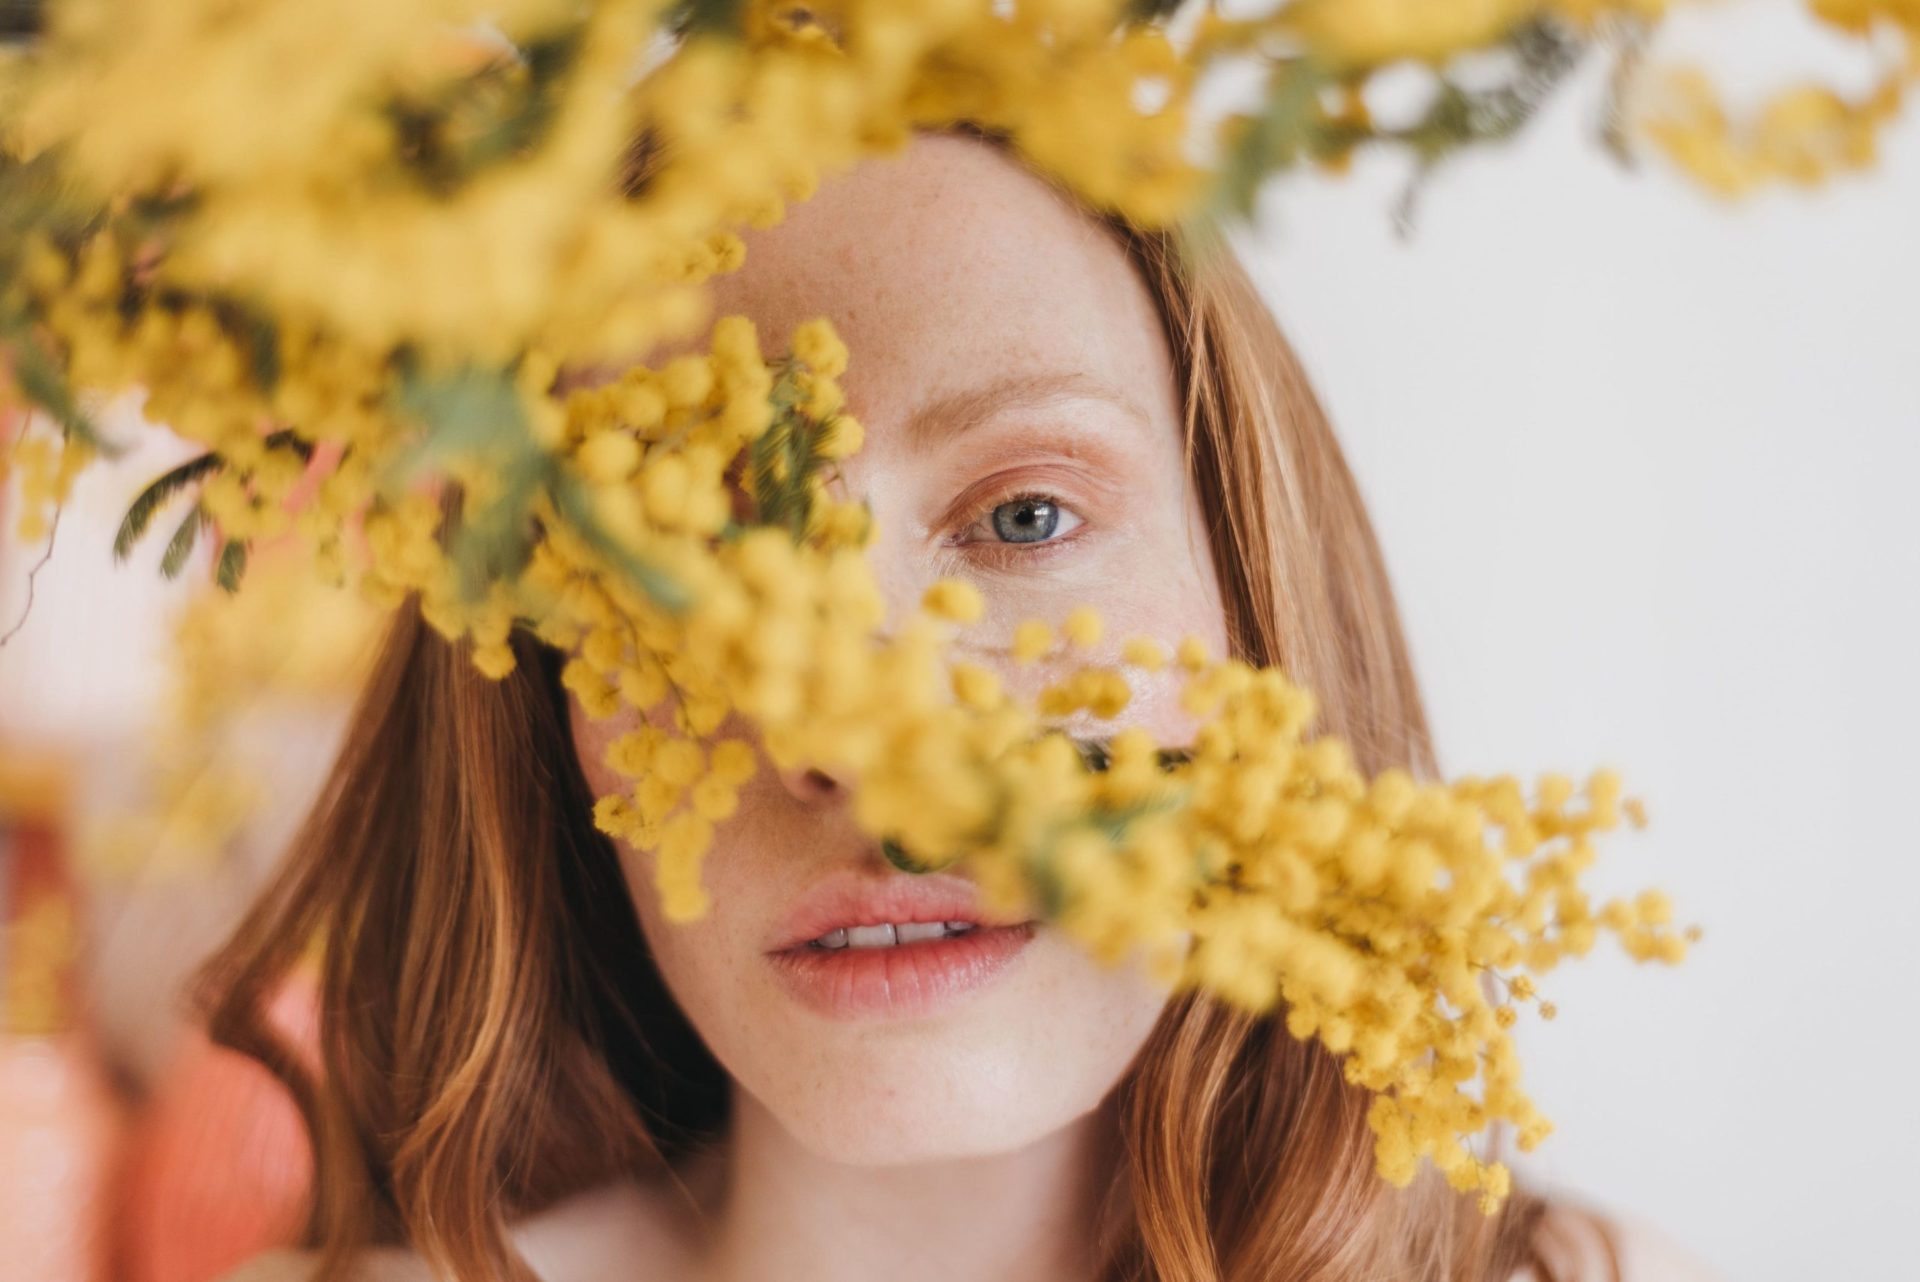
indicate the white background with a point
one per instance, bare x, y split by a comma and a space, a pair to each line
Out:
1645, 469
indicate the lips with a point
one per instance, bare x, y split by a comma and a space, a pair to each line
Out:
899, 980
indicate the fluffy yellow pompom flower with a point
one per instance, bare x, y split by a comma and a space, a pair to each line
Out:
733, 761
955, 600
1082, 627
816, 343
609, 456
975, 686
842, 438
1031, 640
1380, 31
1145, 653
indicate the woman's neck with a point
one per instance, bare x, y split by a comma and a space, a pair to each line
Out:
776, 1209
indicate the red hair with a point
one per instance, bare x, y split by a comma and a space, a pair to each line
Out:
495, 1035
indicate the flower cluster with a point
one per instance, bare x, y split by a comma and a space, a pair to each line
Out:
1256, 862
369, 292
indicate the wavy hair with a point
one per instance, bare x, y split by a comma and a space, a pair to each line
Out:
494, 1034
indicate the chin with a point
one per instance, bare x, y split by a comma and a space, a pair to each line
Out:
1015, 1068
898, 1120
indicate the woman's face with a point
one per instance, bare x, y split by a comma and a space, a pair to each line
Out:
1005, 357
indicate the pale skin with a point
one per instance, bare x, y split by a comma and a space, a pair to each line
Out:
977, 1142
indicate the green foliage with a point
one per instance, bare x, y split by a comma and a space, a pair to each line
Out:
232, 564
1146, 11
703, 17
1545, 52
1098, 756
570, 500
34, 197
180, 546
784, 459
897, 856
133, 526
471, 410
1291, 127
145, 506
43, 382
1273, 140
495, 542
477, 412
480, 120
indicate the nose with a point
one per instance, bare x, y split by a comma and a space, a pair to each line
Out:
811, 786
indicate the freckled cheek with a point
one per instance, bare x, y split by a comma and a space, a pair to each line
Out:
709, 964
1115, 1004
1155, 706
1167, 617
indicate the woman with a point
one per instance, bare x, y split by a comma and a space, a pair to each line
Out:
526, 1066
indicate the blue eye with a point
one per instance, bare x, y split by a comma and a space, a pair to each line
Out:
1024, 520
1031, 519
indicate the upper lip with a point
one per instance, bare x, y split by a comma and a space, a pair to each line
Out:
848, 898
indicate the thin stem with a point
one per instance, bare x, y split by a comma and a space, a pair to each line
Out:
53, 533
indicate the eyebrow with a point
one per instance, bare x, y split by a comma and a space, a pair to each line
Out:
968, 408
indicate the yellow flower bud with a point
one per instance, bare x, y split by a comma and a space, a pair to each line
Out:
608, 456
975, 686
955, 600
687, 381
1031, 640
1082, 627
841, 437
1145, 652
664, 484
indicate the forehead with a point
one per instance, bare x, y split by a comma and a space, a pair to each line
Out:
947, 266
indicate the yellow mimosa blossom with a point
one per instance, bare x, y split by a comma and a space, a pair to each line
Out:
1379, 31
1082, 627
405, 354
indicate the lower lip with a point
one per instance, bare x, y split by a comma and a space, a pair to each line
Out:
900, 982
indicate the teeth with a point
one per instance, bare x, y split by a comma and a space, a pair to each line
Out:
888, 934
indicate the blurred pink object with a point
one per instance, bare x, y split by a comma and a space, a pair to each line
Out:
58, 1124
59, 1119
219, 1167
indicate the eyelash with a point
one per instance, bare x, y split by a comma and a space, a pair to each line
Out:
992, 546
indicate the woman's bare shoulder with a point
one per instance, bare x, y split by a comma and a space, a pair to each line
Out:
1583, 1242
597, 1234
383, 1265
274, 1266
1650, 1254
